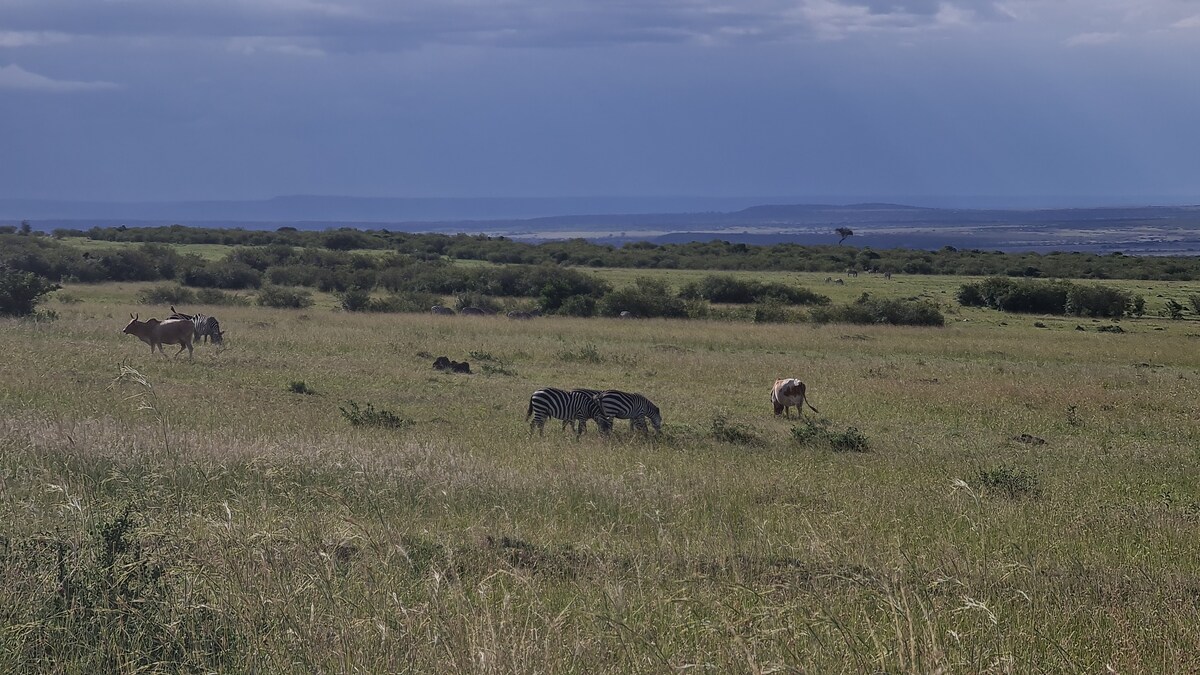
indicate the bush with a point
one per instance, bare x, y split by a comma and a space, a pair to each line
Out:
724, 288
648, 297
771, 312
284, 298
1049, 297
300, 387
20, 292
849, 440
733, 432
223, 274
1010, 482
212, 296
578, 305
370, 417
892, 311
359, 300
167, 294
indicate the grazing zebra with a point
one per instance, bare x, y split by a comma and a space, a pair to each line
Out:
565, 405
473, 311
208, 329
633, 407
585, 392
444, 311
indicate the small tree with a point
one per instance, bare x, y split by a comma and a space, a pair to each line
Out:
843, 232
21, 291
1174, 310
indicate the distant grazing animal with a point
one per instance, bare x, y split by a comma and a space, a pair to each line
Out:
565, 405
523, 316
851, 272
444, 311
207, 327
633, 407
787, 393
887, 275
829, 280
838, 282
157, 333
626, 314
473, 311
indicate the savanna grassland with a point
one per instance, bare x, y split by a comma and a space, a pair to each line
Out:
1014, 498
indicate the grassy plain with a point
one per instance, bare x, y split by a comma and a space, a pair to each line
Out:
212, 519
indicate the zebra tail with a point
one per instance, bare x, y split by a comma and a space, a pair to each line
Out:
529, 411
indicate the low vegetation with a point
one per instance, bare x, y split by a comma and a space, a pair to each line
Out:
1051, 297
1027, 503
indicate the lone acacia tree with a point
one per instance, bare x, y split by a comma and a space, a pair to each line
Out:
843, 232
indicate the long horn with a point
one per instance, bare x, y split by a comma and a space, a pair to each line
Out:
132, 316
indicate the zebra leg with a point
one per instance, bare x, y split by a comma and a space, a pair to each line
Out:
582, 427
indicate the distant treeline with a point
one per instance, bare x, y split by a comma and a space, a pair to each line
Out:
712, 255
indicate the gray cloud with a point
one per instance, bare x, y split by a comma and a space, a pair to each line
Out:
353, 25
15, 77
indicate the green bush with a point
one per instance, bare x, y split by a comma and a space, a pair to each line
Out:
359, 300
648, 297
818, 432
20, 292
891, 311
167, 294
733, 432
1049, 297
212, 296
370, 417
724, 288
285, 298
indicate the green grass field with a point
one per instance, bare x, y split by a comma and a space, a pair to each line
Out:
1029, 500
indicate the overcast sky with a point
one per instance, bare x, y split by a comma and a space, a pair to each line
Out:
236, 99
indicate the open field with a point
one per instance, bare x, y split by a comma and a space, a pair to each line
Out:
1030, 500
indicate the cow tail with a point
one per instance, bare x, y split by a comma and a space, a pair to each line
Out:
811, 405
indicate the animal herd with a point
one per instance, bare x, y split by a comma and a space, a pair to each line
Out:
178, 329
573, 407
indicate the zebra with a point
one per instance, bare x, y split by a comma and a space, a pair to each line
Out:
207, 328
565, 405
444, 311
585, 392
633, 407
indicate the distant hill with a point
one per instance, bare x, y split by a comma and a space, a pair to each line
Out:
1147, 229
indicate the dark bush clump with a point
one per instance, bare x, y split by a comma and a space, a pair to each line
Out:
359, 300
724, 288
1011, 482
223, 274
20, 292
648, 297
300, 387
733, 432
1049, 297
167, 294
370, 417
892, 311
284, 298
849, 440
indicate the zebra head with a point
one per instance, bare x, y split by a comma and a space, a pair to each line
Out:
655, 417
596, 412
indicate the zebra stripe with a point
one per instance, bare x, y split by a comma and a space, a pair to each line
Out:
586, 392
633, 407
565, 405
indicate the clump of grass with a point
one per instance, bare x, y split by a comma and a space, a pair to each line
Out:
733, 432
368, 416
818, 433
1011, 482
300, 387
586, 354
498, 369
482, 356
1110, 328
67, 298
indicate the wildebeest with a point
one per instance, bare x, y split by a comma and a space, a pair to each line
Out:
444, 311
157, 333
789, 392
566, 405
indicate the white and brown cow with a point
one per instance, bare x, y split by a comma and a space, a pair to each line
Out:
157, 333
789, 392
